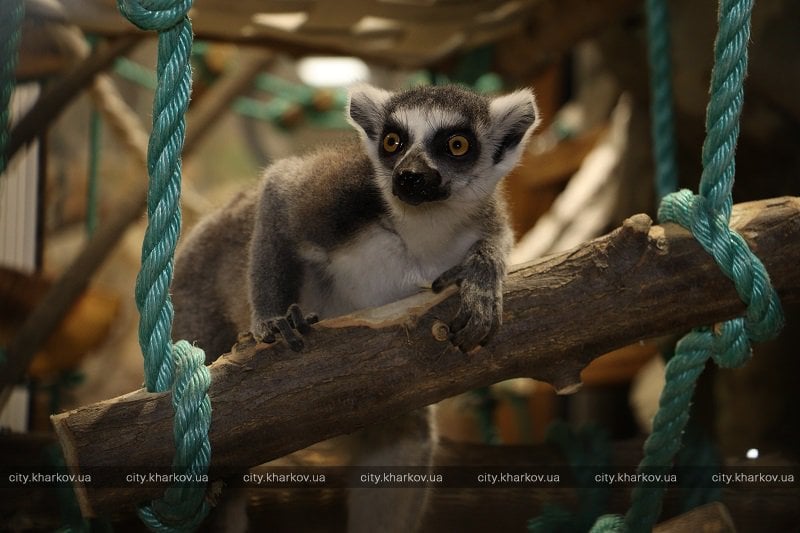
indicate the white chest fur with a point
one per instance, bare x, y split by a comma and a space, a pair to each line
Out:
382, 265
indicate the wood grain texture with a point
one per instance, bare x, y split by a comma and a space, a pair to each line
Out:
561, 312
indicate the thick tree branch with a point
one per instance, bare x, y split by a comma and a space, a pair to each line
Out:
560, 313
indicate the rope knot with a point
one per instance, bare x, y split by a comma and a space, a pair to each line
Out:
154, 15
730, 346
764, 317
184, 505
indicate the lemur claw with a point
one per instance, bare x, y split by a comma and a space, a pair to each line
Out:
291, 328
478, 318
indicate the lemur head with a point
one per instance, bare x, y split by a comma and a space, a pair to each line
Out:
430, 144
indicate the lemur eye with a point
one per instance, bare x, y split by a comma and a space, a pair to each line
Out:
391, 142
458, 145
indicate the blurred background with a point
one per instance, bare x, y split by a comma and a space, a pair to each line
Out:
270, 80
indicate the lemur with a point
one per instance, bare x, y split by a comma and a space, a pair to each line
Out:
414, 204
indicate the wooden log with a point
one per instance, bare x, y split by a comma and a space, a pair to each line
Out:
559, 313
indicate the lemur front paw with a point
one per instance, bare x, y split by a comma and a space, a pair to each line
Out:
481, 308
291, 327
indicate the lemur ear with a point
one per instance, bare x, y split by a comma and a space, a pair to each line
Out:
365, 109
514, 117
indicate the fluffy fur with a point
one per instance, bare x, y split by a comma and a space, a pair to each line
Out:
415, 204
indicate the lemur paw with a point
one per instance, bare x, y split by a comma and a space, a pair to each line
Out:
479, 315
291, 328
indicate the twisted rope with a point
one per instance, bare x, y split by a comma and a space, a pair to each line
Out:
11, 14
662, 126
183, 506
163, 207
707, 215
587, 450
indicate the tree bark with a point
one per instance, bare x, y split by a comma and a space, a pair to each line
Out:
561, 312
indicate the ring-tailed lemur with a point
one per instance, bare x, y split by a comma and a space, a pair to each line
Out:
416, 203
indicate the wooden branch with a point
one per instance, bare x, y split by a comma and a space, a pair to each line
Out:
557, 165
52, 103
559, 314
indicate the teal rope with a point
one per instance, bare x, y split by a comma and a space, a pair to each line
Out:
662, 125
485, 411
587, 450
695, 459
11, 14
183, 506
707, 215
164, 167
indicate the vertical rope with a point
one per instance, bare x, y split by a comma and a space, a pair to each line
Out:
163, 207
588, 451
180, 366
662, 124
707, 215
11, 14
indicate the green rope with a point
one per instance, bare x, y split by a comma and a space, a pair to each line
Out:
183, 506
587, 450
485, 411
707, 215
11, 14
662, 128
697, 457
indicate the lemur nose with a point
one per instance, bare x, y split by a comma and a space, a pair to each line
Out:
415, 187
412, 179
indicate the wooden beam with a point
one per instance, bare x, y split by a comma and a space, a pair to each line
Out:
542, 32
561, 312
553, 29
55, 99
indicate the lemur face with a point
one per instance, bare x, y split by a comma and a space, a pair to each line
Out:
431, 144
